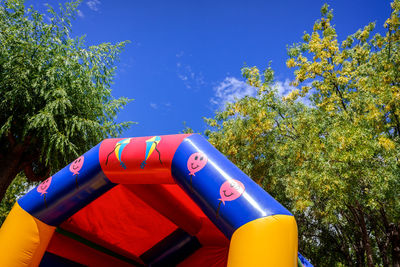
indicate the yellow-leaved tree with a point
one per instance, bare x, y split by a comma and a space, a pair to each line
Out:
335, 161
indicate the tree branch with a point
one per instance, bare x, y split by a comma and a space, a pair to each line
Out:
32, 176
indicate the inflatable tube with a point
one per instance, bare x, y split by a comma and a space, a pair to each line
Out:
261, 231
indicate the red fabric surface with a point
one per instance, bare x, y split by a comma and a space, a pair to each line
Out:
120, 221
78, 252
210, 235
172, 203
207, 257
133, 155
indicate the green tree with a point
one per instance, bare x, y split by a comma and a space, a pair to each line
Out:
17, 188
335, 162
55, 100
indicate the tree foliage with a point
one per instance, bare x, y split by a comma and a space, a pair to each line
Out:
18, 187
334, 162
55, 100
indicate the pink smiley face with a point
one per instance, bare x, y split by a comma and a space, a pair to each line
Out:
196, 162
44, 186
231, 190
76, 166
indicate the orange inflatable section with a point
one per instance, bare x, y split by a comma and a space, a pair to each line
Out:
23, 239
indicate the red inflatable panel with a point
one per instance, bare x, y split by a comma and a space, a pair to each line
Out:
121, 222
173, 203
210, 235
141, 160
75, 251
207, 256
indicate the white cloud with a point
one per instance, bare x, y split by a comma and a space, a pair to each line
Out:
190, 79
94, 4
231, 89
183, 77
165, 106
284, 87
80, 14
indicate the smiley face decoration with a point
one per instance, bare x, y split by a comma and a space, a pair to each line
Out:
43, 187
195, 163
75, 167
229, 191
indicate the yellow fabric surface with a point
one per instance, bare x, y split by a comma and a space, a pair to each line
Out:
268, 241
23, 239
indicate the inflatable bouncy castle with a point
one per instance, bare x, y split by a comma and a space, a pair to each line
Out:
150, 201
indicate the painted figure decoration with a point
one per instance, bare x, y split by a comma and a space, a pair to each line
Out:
195, 163
118, 148
42, 188
229, 191
75, 167
151, 145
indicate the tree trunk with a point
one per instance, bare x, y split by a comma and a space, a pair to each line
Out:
8, 171
395, 238
342, 242
360, 254
382, 245
10, 166
366, 240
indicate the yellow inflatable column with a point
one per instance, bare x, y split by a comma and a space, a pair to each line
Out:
23, 239
268, 241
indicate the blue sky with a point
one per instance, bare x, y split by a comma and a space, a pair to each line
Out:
185, 57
